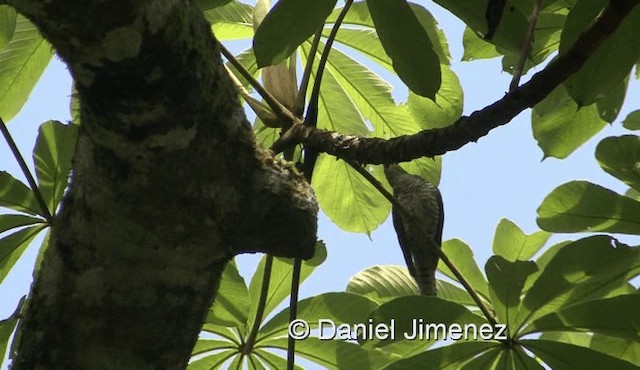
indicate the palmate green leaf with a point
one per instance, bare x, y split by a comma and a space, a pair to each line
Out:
579, 206
485, 361
586, 269
452, 293
229, 335
213, 361
510, 33
560, 126
632, 121
447, 107
610, 63
280, 281
475, 47
561, 356
624, 349
340, 308
546, 41
13, 245
52, 156
429, 168
506, 280
619, 156
514, 359
449, 357
16, 195
628, 350
347, 198
231, 304
360, 33
265, 136
547, 38
370, 94
511, 243
336, 110
501, 359
616, 316
8, 17
332, 354
9, 221
420, 321
610, 104
383, 283
273, 361
462, 258
407, 44
286, 26
350, 92
7, 327
22, 62
210, 4
206, 345
543, 261
232, 21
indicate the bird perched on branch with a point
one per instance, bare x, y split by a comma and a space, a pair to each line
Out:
419, 229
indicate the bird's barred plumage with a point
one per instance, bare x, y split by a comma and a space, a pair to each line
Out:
421, 237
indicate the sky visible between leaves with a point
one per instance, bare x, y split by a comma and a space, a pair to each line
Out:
502, 175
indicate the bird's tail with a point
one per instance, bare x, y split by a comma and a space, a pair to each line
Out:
426, 281
424, 271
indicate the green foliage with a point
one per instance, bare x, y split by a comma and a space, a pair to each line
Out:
560, 126
286, 26
610, 63
22, 61
210, 4
571, 307
351, 97
407, 44
16, 195
511, 31
52, 157
7, 24
233, 313
582, 206
511, 243
6, 329
461, 256
632, 122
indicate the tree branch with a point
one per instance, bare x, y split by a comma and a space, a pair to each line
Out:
429, 143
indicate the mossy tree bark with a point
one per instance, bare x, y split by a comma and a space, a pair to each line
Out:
167, 186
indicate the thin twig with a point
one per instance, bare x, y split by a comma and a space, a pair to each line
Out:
262, 303
25, 170
293, 311
311, 119
298, 108
465, 283
278, 109
526, 46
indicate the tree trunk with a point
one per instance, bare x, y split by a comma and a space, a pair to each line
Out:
167, 186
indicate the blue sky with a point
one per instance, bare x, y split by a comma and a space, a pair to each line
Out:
502, 175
